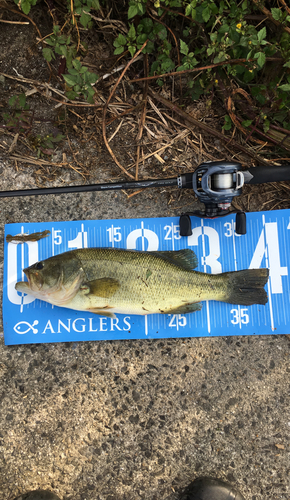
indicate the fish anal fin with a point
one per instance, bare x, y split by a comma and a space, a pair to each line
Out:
183, 258
102, 312
187, 308
103, 287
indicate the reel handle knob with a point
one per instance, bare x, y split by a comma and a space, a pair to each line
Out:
241, 223
185, 225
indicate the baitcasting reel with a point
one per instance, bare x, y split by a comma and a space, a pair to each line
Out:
215, 184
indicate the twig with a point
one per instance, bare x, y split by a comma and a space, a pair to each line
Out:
28, 159
106, 107
285, 5
116, 131
143, 115
12, 22
120, 25
134, 194
128, 111
280, 129
157, 112
269, 15
32, 82
236, 120
75, 159
203, 126
13, 144
181, 135
23, 15
210, 66
114, 70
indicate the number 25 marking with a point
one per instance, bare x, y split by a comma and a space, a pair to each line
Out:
177, 320
174, 230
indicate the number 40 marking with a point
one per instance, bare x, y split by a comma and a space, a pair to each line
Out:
268, 246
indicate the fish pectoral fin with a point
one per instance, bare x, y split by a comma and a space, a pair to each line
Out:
103, 287
187, 308
102, 312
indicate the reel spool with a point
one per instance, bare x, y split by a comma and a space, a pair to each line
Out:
220, 182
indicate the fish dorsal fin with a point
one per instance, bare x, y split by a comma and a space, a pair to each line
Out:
103, 287
183, 258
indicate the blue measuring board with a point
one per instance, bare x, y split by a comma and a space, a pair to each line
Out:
218, 248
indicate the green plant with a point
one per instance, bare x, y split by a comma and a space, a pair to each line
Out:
60, 44
44, 146
80, 81
25, 5
18, 117
82, 10
228, 123
136, 8
134, 39
158, 43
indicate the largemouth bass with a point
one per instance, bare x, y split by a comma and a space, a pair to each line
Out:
106, 281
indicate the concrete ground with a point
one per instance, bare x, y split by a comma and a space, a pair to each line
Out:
122, 420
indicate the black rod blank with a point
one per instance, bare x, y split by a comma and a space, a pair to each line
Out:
91, 187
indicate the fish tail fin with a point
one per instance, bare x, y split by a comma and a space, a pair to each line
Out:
247, 287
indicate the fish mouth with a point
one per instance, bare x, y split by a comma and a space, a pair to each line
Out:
34, 278
22, 286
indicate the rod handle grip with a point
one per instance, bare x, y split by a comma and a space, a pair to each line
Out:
269, 173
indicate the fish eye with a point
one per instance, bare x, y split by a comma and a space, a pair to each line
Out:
39, 266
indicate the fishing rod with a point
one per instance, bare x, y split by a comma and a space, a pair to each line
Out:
214, 183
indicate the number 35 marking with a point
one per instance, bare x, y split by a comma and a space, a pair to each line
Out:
240, 316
